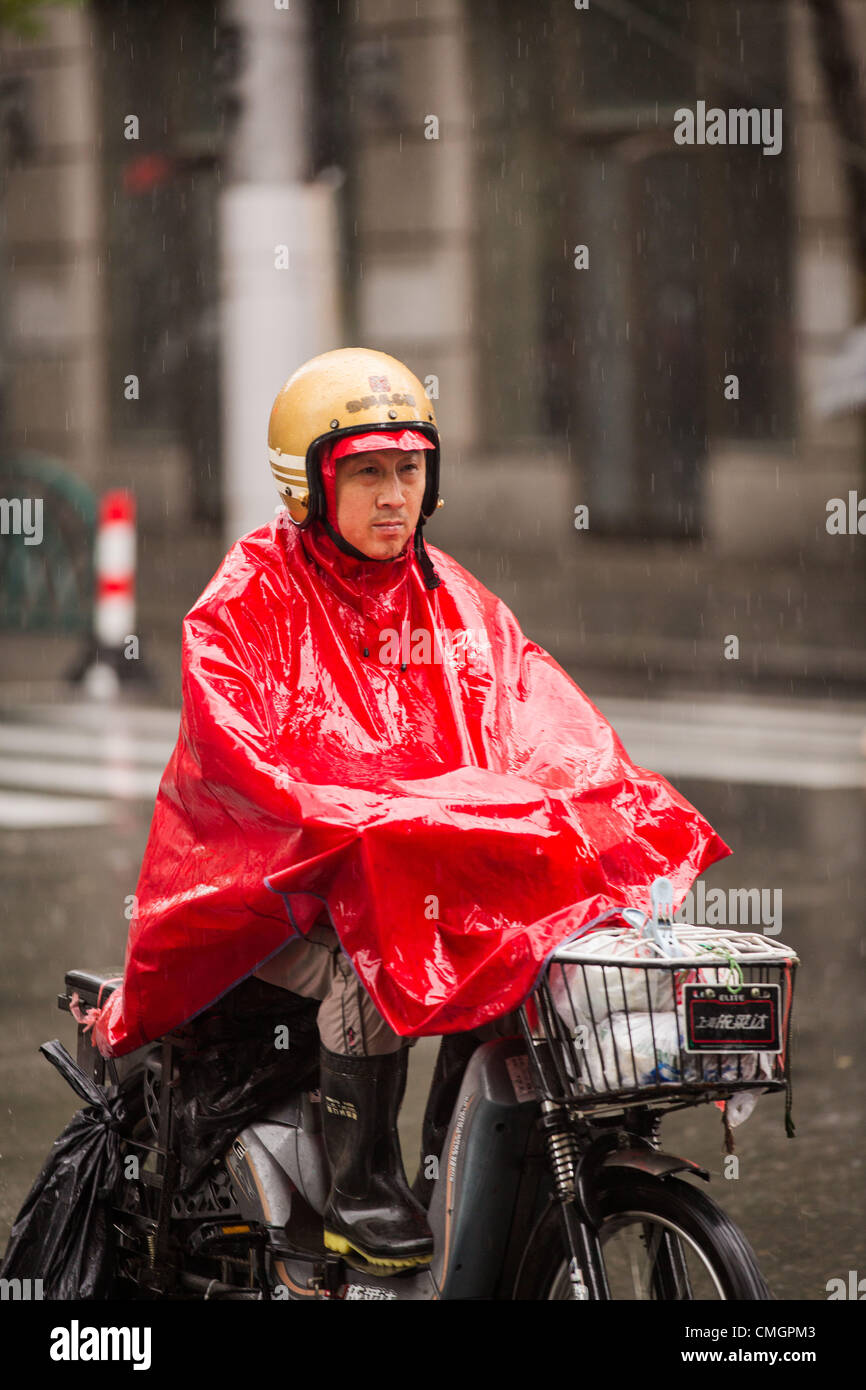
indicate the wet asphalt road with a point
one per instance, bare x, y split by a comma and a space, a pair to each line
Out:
800, 1202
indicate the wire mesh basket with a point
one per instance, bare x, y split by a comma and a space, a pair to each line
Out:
629, 1023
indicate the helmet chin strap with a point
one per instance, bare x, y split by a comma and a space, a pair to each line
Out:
342, 544
431, 578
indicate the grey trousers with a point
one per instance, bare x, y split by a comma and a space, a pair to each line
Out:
316, 967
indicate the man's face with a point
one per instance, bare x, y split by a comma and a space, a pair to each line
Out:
379, 497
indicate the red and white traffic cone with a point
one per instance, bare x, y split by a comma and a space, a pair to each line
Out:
112, 655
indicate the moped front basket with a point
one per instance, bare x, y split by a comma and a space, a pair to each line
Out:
630, 1020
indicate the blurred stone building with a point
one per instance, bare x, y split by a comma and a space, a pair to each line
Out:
432, 170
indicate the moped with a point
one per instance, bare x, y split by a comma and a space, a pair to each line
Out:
551, 1182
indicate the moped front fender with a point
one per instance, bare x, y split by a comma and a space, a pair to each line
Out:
609, 1151
653, 1161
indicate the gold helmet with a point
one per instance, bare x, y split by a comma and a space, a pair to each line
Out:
336, 394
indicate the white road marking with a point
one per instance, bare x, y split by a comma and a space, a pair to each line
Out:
76, 743
18, 811
126, 782
95, 754
742, 740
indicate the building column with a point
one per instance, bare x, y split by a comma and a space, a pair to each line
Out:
278, 231
55, 377
414, 249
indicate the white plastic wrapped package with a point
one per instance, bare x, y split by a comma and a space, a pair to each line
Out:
585, 992
620, 1053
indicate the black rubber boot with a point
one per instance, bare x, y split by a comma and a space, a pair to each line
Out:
370, 1209
455, 1050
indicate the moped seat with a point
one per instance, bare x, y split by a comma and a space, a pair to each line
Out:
93, 987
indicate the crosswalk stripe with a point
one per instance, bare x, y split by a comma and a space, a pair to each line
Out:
66, 765
123, 782
740, 713
145, 721
69, 765
73, 743
19, 811
749, 742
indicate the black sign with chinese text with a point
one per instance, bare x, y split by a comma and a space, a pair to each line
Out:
719, 1019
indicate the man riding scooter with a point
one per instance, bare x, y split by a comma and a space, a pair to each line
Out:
374, 484
383, 796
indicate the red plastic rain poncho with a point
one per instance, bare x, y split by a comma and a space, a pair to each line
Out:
454, 802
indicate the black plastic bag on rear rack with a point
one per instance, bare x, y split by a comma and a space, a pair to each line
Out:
63, 1234
232, 1070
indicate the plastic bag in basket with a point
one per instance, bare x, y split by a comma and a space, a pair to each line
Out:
586, 993
640, 1049
582, 993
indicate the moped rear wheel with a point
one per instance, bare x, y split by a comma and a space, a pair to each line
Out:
662, 1240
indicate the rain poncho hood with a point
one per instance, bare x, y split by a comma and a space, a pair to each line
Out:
399, 760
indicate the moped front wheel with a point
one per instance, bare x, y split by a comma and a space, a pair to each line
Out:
661, 1240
